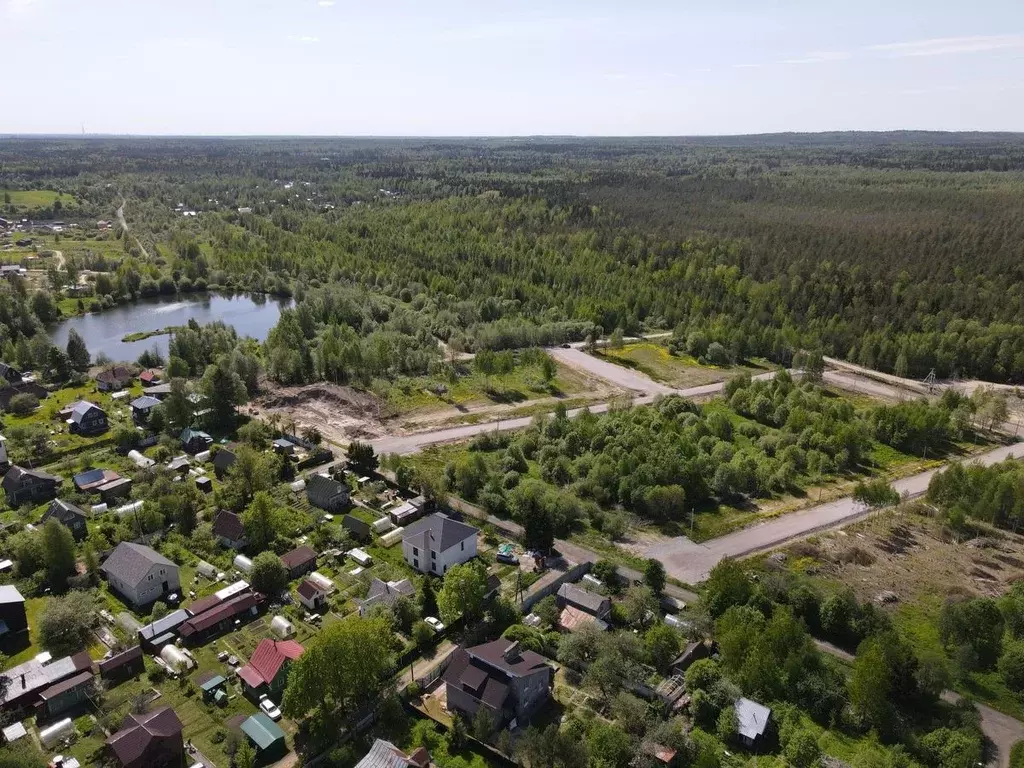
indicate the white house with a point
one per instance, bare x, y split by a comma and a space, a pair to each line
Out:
3, 452
140, 574
435, 543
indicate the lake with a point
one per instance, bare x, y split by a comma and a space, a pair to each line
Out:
250, 314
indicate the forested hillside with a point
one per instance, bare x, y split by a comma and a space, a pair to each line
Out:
901, 251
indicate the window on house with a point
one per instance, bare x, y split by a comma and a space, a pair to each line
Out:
433, 567
416, 551
433, 555
150, 577
415, 563
462, 545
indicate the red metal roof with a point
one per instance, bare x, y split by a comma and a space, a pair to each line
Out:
270, 655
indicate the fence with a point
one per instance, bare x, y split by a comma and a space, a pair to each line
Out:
434, 674
543, 588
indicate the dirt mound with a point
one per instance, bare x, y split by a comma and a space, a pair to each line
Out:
340, 413
321, 393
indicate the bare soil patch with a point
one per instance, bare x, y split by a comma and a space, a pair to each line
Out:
912, 556
340, 413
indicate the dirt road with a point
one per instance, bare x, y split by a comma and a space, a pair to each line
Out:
617, 374
691, 562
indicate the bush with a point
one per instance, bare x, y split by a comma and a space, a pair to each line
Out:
23, 404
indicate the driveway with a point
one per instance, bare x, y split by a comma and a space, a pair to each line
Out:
691, 562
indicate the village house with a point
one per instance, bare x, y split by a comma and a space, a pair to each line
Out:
408, 511
10, 374
21, 686
299, 561
229, 529
384, 754
510, 683
194, 440
142, 407
150, 377
123, 666
4, 461
327, 494
203, 627
149, 740
69, 693
435, 543
267, 670
385, 593
114, 378
69, 515
223, 459
598, 606
751, 720
312, 595
13, 617
91, 480
360, 529
159, 633
140, 574
21, 485
87, 419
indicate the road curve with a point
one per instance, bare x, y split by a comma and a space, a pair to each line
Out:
691, 562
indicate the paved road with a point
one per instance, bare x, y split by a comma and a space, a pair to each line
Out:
691, 562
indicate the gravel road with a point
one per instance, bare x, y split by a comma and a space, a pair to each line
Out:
691, 562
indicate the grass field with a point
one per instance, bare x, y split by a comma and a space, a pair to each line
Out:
26, 199
418, 395
680, 371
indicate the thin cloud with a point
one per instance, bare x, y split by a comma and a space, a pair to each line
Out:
945, 46
326, 3
819, 57
15, 9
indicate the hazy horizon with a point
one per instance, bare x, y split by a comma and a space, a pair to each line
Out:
334, 68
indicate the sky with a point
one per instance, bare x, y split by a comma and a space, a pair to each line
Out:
490, 67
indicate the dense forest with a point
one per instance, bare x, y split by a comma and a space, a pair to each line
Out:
900, 251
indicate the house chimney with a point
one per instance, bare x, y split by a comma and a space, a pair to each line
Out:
23, 681
512, 652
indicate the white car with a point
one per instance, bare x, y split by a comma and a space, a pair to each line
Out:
434, 623
270, 708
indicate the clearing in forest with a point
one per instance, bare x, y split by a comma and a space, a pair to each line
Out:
678, 371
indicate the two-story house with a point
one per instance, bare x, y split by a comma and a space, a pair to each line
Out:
508, 682
436, 543
87, 419
21, 485
69, 515
140, 574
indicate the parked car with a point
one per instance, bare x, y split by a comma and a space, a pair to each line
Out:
508, 558
270, 708
434, 623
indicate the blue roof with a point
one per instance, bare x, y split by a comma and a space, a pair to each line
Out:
145, 402
88, 477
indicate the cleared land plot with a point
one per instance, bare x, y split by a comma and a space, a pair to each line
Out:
678, 371
25, 199
921, 565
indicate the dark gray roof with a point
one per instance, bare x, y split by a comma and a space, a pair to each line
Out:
62, 510
387, 592
130, 562
16, 475
442, 532
145, 402
591, 601
323, 490
224, 458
